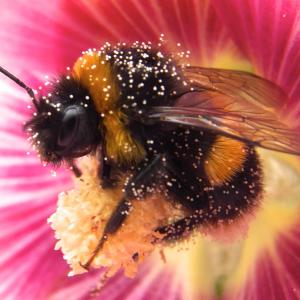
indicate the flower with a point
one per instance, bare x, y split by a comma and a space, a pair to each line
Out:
41, 38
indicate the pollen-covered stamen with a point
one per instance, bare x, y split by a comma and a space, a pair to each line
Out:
82, 215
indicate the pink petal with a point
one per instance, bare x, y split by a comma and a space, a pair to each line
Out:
274, 277
267, 32
60, 30
45, 37
268, 264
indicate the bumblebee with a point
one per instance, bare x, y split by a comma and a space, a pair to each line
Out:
187, 132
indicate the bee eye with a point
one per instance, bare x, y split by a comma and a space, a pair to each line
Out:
69, 126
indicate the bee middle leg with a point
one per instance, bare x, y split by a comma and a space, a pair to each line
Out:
141, 178
140, 181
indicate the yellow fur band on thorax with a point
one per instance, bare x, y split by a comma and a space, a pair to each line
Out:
225, 158
95, 73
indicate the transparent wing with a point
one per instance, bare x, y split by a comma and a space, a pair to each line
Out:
236, 104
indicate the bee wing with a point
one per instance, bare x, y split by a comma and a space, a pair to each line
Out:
235, 104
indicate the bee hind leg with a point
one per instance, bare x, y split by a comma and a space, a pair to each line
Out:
184, 195
181, 228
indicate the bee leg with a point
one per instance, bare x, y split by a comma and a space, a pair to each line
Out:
104, 171
181, 228
122, 210
104, 174
77, 172
115, 221
182, 194
117, 217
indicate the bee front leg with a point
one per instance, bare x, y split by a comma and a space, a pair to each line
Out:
141, 178
104, 171
76, 171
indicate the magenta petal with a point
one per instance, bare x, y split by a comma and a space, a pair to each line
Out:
40, 37
267, 32
275, 275
43, 38
53, 34
27, 256
149, 284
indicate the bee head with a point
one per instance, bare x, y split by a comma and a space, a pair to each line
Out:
66, 124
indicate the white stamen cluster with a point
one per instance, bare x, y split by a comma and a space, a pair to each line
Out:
81, 216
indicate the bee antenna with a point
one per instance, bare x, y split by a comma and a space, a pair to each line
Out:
23, 85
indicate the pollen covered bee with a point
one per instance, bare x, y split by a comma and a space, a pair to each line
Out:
189, 132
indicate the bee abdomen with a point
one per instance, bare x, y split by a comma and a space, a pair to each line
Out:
224, 205
235, 191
